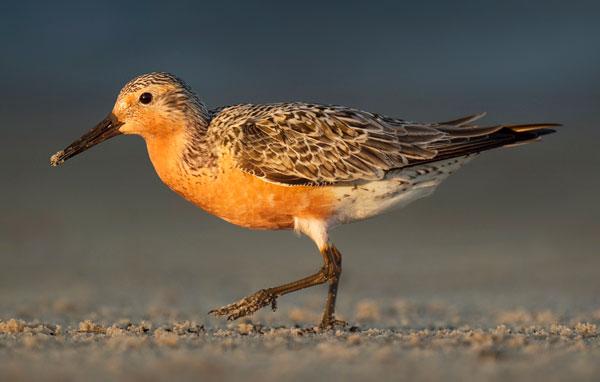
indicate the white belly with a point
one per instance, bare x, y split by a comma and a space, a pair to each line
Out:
399, 188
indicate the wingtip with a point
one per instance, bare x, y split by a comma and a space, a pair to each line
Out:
480, 115
56, 159
533, 127
464, 120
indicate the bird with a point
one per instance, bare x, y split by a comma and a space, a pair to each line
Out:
292, 166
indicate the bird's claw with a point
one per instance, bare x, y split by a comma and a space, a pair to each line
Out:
247, 305
332, 323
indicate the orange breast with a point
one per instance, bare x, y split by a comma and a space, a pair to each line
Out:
244, 199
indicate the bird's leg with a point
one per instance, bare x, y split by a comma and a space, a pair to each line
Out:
330, 271
335, 259
264, 297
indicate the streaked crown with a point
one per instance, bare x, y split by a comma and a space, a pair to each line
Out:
154, 78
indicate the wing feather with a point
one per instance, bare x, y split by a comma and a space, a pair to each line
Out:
299, 143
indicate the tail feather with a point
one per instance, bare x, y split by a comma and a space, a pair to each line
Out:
470, 131
533, 127
464, 139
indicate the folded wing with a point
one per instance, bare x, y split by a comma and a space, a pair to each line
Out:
298, 143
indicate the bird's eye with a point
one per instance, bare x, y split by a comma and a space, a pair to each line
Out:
145, 98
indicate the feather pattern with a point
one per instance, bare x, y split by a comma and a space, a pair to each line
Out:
309, 144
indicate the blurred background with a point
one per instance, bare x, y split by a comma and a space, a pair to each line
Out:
516, 227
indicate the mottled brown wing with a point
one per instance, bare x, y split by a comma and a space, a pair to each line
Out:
297, 143
311, 144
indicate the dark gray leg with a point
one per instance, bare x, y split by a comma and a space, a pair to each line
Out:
331, 271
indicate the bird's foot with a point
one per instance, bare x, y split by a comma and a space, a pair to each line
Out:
332, 323
247, 305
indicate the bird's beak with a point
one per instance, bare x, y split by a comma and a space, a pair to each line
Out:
106, 129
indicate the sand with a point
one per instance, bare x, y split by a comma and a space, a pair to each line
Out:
390, 339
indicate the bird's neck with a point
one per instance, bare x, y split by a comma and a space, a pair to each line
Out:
198, 153
179, 154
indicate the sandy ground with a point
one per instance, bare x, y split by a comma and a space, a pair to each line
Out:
386, 339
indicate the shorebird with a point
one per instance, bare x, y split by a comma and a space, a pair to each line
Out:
292, 166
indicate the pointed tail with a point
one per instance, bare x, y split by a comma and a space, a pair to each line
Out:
465, 139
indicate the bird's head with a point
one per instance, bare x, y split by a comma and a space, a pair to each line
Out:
151, 105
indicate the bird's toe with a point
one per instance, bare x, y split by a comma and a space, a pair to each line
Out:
247, 305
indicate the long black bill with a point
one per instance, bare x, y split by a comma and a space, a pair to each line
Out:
106, 129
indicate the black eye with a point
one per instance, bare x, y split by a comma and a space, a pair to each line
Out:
145, 98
